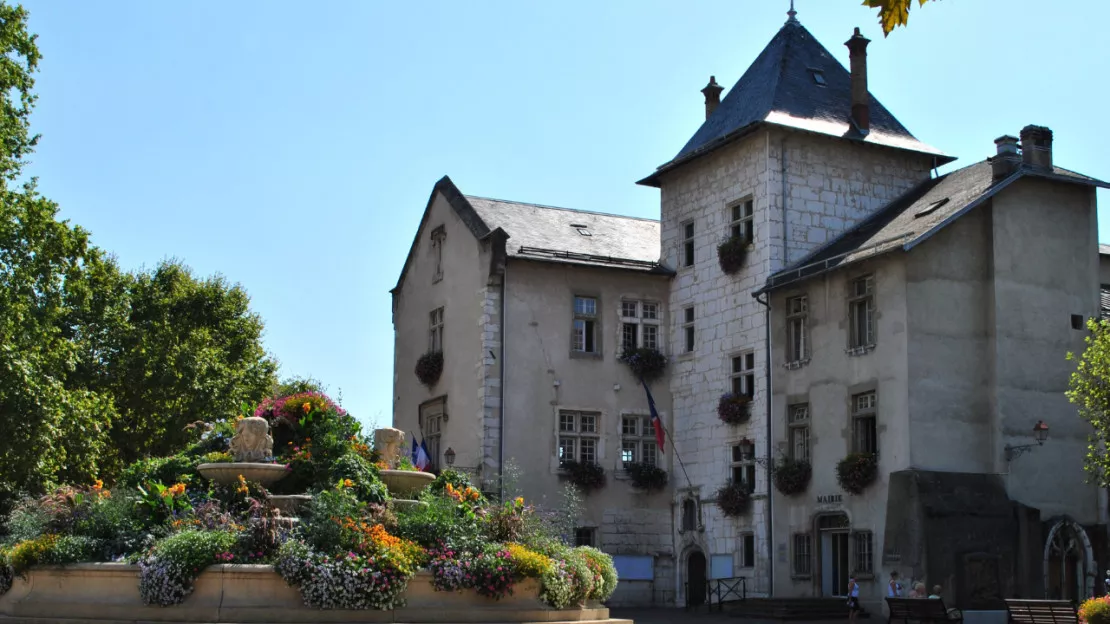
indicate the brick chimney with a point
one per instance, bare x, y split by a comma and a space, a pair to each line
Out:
1007, 160
857, 51
712, 93
1036, 146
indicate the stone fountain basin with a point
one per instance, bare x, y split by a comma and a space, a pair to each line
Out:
406, 483
227, 473
289, 504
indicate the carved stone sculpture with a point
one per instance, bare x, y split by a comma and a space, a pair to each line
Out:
389, 444
252, 441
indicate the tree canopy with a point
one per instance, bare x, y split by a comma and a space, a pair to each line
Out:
1089, 389
893, 13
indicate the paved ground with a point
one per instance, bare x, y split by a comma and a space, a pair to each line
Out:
663, 615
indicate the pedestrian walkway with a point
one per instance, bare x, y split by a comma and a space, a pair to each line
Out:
670, 615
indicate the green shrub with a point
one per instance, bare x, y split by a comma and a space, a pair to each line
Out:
26, 522
168, 470
442, 521
72, 549
457, 479
319, 527
581, 577
166, 576
605, 573
368, 486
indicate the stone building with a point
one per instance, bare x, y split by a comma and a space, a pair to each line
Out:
958, 284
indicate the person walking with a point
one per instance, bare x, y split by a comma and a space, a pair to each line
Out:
894, 587
853, 599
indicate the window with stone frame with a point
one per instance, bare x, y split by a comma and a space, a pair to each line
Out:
747, 550
740, 222
585, 536
431, 427
638, 443
862, 552
439, 236
578, 436
688, 244
742, 465
803, 555
865, 434
435, 330
861, 312
639, 325
797, 329
743, 374
798, 426
584, 328
688, 329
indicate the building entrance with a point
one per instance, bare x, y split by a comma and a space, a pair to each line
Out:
835, 566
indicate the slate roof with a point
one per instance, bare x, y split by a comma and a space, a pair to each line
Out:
779, 89
914, 217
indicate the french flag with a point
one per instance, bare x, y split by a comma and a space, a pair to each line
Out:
656, 422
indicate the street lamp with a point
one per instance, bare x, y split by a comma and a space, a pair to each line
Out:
1040, 434
449, 456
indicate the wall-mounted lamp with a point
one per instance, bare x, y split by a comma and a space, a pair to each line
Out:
1040, 434
449, 456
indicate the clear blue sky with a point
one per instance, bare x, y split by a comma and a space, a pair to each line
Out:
293, 146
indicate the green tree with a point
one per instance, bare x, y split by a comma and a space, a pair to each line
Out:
893, 13
1089, 389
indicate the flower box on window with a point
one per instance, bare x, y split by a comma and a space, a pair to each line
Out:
857, 471
429, 367
647, 476
734, 498
732, 253
645, 363
588, 476
734, 409
792, 476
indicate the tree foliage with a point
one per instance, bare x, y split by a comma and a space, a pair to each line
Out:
893, 13
1089, 389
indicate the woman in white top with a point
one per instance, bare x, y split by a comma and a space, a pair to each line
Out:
853, 599
894, 588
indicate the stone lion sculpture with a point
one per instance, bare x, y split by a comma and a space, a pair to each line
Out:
389, 444
252, 441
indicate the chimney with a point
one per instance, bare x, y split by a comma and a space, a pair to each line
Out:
1007, 160
857, 51
712, 93
1036, 146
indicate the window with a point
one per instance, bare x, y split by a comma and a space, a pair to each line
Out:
578, 436
803, 554
439, 235
584, 334
797, 318
689, 515
639, 325
863, 559
865, 437
743, 374
861, 312
431, 426
741, 220
435, 330
818, 77
743, 465
584, 536
638, 440
688, 244
798, 426
747, 550
688, 329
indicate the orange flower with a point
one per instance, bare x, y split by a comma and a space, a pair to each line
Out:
519, 500
99, 485
348, 483
306, 407
243, 487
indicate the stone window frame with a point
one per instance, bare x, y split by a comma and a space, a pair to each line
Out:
643, 437
797, 331
861, 300
741, 218
690, 501
689, 329
435, 329
587, 319
864, 406
432, 426
640, 321
688, 232
741, 466
746, 553
801, 555
863, 553
599, 436
742, 367
438, 236
798, 426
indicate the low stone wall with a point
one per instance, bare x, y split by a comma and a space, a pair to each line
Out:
244, 594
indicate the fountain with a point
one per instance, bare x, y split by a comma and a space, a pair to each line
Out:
403, 485
250, 447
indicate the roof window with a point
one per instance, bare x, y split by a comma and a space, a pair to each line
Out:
930, 208
818, 76
582, 229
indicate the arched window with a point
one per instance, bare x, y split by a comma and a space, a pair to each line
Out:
689, 515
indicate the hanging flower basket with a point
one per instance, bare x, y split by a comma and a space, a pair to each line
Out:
646, 364
429, 367
734, 409
734, 499
857, 471
647, 476
586, 475
792, 476
732, 253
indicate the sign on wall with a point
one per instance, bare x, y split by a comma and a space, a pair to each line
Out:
720, 566
635, 567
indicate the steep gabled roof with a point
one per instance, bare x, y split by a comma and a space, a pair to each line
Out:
914, 217
779, 88
549, 234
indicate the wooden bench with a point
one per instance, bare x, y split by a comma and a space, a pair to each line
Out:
919, 610
1041, 611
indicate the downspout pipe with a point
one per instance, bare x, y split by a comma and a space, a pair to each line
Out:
766, 303
501, 408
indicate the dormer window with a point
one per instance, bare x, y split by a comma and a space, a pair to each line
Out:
818, 76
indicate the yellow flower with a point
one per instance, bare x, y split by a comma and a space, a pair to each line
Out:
306, 407
519, 500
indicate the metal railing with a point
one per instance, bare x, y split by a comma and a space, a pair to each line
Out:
727, 590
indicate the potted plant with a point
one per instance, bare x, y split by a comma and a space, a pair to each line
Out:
734, 409
588, 476
857, 471
429, 367
647, 476
792, 476
731, 253
734, 499
646, 363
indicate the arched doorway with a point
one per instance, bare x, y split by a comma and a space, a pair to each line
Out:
695, 579
1069, 563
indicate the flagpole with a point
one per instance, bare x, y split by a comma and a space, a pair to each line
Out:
667, 434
